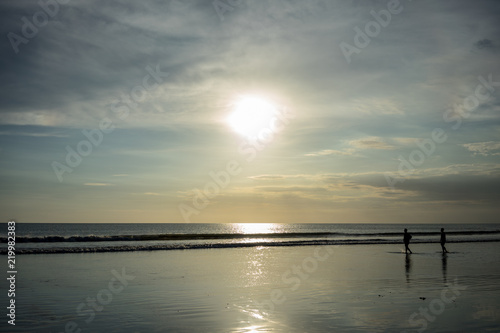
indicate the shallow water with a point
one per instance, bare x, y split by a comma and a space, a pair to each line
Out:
354, 288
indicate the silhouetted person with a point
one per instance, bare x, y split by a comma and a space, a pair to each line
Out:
406, 239
443, 241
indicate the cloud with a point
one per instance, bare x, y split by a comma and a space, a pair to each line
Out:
356, 146
404, 141
39, 135
454, 183
377, 106
89, 57
483, 148
484, 43
270, 177
456, 188
327, 152
394, 91
34, 134
371, 143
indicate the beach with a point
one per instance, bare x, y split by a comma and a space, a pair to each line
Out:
234, 166
346, 288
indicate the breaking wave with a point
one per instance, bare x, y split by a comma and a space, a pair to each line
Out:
184, 237
94, 244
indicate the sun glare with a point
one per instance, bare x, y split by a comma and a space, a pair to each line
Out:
251, 115
256, 228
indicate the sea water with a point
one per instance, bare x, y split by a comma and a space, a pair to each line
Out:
33, 238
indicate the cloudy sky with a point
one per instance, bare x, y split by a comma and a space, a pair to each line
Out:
117, 111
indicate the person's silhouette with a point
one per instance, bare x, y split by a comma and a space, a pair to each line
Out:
443, 241
406, 240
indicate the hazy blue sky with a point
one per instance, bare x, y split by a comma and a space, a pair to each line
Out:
388, 111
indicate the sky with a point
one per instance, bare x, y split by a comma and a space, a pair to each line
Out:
377, 111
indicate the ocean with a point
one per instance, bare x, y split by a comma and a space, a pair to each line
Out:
38, 238
252, 278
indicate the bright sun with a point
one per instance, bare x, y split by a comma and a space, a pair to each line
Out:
251, 115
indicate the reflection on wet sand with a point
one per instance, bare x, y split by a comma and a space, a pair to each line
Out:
408, 267
444, 262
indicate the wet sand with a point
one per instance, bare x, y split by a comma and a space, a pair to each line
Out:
360, 288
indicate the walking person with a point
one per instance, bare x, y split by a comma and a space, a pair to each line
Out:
406, 240
443, 241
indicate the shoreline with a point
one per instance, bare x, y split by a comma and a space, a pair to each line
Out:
177, 247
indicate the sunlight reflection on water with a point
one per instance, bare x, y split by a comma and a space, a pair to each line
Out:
258, 228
